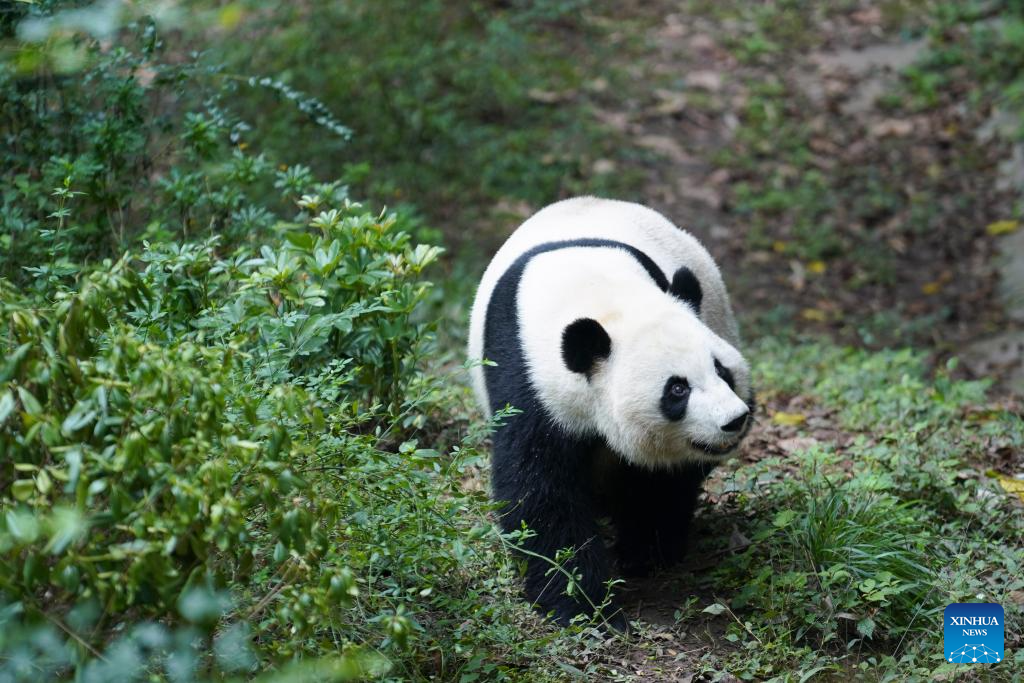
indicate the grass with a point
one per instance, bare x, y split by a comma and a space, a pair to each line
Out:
880, 517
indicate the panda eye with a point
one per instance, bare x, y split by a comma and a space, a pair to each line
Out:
679, 388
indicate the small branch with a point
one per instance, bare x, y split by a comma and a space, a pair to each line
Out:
733, 615
60, 624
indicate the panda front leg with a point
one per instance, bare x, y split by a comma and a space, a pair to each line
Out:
540, 473
652, 511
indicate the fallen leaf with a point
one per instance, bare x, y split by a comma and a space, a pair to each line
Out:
664, 145
797, 443
896, 128
616, 120
798, 276
702, 43
704, 80
1011, 485
669, 102
789, 419
814, 314
1002, 227
699, 193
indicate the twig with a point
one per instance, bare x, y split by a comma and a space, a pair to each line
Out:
81, 641
733, 615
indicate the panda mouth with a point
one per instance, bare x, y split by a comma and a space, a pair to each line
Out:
712, 449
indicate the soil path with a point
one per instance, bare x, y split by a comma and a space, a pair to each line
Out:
834, 202
885, 244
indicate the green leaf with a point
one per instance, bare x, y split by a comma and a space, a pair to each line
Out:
6, 406
866, 627
30, 403
302, 240
783, 518
66, 527
10, 368
715, 609
22, 489
81, 415
22, 525
203, 605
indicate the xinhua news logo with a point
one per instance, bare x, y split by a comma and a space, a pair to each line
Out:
973, 633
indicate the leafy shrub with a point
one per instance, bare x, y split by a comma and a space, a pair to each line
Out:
226, 442
134, 137
146, 455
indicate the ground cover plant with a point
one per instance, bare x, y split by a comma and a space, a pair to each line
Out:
235, 437
864, 529
222, 451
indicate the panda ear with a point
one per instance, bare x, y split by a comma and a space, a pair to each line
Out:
584, 342
685, 286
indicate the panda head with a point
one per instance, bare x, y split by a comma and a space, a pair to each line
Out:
662, 387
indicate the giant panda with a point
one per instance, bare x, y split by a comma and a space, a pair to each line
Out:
610, 331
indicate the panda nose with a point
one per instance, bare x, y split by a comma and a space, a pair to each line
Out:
737, 424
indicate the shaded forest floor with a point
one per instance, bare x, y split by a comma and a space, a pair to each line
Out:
846, 196
840, 191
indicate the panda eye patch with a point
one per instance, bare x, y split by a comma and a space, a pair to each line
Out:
674, 398
726, 374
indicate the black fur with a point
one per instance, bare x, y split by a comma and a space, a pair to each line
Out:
726, 374
686, 287
651, 511
544, 475
584, 342
673, 403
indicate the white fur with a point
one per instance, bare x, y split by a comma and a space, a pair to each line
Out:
654, 336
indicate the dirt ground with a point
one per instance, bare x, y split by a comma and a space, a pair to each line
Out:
909, 258
899, 250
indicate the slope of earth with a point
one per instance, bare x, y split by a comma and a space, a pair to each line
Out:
847, 198
840, 193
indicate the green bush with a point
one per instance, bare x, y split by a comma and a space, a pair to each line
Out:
137, 138
160, 425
